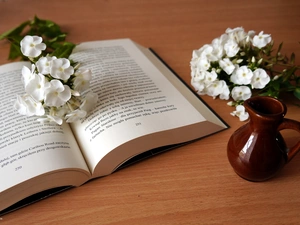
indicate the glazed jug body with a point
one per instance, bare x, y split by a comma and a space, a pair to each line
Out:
257, 151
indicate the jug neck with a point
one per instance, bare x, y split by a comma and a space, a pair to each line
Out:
265, 112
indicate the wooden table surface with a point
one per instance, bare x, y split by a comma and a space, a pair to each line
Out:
193, 184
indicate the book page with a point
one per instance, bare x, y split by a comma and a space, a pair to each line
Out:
28, 148
135, 100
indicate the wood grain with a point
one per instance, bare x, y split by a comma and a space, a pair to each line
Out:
193, 184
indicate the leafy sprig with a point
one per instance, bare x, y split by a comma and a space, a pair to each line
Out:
282, 69
51, 33
56, 89
240, 64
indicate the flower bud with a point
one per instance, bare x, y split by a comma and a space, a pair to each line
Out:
75, 93
230, 103
277, 76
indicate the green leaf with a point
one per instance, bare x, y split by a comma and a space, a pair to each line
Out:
46, 28
60, 37
51, 33
14, 51
287, 86
276, 84
15, 31
64, 51
270, 92
297, 92
292, 58
279, 47
289, 73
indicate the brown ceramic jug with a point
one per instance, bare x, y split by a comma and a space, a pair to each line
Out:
257, 151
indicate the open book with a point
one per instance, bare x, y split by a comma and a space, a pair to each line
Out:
143, 108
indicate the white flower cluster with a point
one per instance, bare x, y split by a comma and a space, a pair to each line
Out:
55, 90
223, 69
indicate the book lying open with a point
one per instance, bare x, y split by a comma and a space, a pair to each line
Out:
143, 108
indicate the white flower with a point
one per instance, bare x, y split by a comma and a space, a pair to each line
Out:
75, 115
231, 48
218, 50
239, 93
53, 91
225, 94
198, 85
57, 94
60, 111
44, 63
55, 115
261, 40
203, 51
32, 46
234, 30
225, 68
36, 87
27, 74
51, 119
250, 36
26, 105
227, 65
237, 34
198, 74
242, 75
213, 89
82, 80
89, 101
260, 79
241, 113
196, 54
197, 81
61, 69
210, 77
218, 87
203, 64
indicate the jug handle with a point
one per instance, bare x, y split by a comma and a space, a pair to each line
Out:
294, 125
